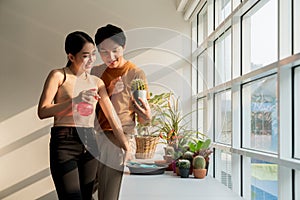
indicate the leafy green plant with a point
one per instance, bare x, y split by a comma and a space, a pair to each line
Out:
157, 104
173, 125
200, 146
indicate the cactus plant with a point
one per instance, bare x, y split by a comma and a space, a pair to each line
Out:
138, 89
188, 155
184, 164
184, 168
138, 84
199, 165
199, 162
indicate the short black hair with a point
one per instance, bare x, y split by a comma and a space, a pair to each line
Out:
110, 31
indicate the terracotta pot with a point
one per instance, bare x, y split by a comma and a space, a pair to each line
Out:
177, 171
199, 173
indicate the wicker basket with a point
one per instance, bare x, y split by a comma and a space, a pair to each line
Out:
145, 146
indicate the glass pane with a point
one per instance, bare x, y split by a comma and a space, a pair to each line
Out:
259, 37
201, 117
259, 112
297, 111
296, 26
264, 180
297, 184
222, 10
202, 25
201, 72
223, 167
223, 117
223, 58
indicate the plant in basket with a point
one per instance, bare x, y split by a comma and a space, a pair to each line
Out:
148, 134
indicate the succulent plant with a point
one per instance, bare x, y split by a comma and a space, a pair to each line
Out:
138, 84
184, 164
199, 162
188, 155
170, 150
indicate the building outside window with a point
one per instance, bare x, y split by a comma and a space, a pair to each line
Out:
264, 180
259, 115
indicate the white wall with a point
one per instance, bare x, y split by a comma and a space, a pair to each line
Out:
32, 34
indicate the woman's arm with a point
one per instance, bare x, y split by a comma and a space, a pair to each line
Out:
112, 116
46, 108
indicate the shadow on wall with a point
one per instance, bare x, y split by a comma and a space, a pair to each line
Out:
24, 159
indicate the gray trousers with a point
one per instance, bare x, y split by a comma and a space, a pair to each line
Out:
111, 168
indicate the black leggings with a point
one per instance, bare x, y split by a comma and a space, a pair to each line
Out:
73, 162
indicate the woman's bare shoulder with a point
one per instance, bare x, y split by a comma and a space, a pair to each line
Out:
57, 75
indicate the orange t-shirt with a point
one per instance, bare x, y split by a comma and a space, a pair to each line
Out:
121, 101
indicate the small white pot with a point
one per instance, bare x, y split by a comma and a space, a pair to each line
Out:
140, 93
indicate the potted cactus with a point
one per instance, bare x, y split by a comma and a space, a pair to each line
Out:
199, 169
138, 89
188, 155
184, 168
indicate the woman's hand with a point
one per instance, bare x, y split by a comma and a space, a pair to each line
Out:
127, 156
89, 96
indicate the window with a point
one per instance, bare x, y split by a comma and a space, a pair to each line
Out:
223, 58
202, 25
223, 168
222, 10
259, 115
201, 72
264, 180
296, 26
297, 184
259, 37
201, 115
223, 117
250, 68
297, 112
